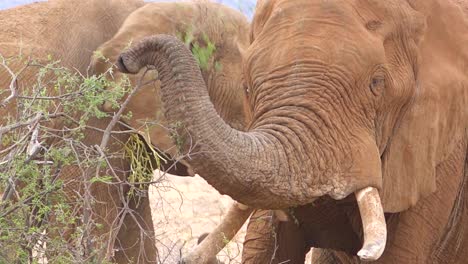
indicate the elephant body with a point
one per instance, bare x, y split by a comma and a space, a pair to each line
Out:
359, 116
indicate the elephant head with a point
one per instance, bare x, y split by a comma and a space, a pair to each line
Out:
216, 34
339, 106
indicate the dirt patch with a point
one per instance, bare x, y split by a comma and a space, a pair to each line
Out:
183, 209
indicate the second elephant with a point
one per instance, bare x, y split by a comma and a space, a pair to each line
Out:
216, 35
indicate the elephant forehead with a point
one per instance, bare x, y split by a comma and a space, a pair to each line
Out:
245, 6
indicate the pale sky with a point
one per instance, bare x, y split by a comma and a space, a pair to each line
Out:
246, 6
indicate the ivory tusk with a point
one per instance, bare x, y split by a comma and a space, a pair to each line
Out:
373, 224
224, 232
282, 215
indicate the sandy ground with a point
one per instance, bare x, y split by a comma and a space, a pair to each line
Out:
183, 209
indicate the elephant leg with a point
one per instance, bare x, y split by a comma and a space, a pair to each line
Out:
260, 238
108, 197
270, 240
328, 256
97, 208
105, 213
291, 245
100, 203
135, 241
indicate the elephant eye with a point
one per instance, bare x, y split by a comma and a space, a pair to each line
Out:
377, 85
245, 86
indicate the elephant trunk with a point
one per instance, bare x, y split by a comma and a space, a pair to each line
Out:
257, 168
243, 165
270, 166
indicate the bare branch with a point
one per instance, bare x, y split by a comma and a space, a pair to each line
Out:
20, 124
58, 97
115, 119
34, 146
13, 84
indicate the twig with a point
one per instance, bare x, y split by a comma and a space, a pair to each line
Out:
20, 124
27, 200
59, 114
115, 119
34, 123
13, 83
63, 96
34, 146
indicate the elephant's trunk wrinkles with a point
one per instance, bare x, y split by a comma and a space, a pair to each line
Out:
373, 224
260, 168
254, 167
248, 166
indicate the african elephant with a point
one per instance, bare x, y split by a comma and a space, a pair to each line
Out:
199, 24
359, 108
69, 31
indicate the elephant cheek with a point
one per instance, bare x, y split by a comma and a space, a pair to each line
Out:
366, 165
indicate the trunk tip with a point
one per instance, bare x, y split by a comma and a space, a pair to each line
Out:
122, 64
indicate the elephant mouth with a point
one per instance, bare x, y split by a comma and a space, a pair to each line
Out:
338, 225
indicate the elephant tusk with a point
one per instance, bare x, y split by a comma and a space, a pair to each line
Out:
223, 233
282, 215
373, 224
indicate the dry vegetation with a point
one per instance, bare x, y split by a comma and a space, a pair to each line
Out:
184, 209
42, 136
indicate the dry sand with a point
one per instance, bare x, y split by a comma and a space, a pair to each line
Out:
183, 209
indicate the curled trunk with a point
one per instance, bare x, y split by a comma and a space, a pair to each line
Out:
266, 167
243, 165
257, 168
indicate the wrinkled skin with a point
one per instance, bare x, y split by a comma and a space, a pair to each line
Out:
440, 240
70, 31
345, 95
226, 28
326, 226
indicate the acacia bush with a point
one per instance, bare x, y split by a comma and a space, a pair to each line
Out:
41, 133
45, 113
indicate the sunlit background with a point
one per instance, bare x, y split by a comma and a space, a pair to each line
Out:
246, 6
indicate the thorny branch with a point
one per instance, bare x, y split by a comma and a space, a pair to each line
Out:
36, 139
14, 81
118, 115
31, 131
104, 142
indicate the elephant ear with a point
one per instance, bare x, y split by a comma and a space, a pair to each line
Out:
432, 123
409, 161
263, 10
